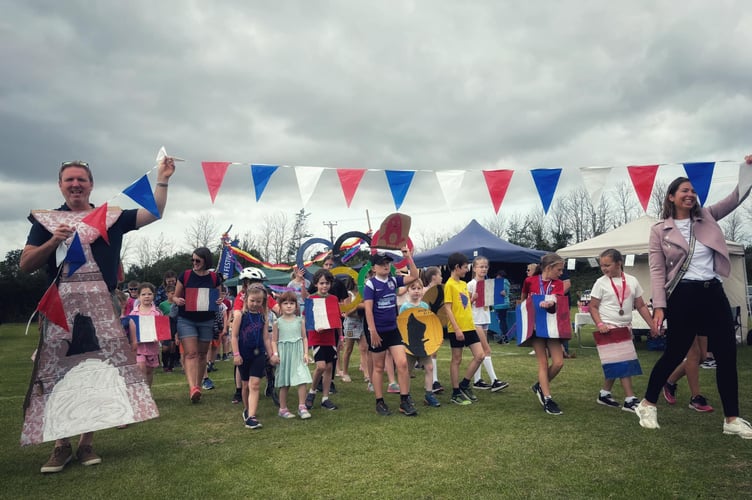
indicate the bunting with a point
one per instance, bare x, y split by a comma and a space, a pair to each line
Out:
98, 220
140, 192
51, 306
75, 256
643, 178
399, 183
546, 180
308, 178
450, 182
595, 179
261, 175
214, 174
497, 182
349, 179
700, 175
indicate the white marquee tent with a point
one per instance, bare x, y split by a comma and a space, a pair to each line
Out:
632, 238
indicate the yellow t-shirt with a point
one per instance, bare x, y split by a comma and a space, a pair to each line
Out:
455, 292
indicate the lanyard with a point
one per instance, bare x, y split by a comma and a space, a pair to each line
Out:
548, 289
620, 300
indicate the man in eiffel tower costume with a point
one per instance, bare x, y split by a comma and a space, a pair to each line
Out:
85, 376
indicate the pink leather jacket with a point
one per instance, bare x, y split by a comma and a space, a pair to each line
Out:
668, 249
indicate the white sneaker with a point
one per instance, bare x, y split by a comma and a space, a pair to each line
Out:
648, 416
739, 427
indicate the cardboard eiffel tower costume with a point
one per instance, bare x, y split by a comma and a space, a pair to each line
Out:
85, 379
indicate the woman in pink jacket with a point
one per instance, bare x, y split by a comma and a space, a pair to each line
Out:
688, 257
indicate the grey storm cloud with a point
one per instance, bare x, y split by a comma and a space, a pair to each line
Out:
416, 85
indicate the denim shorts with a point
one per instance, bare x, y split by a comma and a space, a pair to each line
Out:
201, 329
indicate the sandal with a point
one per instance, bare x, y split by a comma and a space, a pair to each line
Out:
285, 413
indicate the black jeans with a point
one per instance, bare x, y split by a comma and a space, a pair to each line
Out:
699, 308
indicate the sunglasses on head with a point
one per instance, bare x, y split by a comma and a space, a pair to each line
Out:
72, 163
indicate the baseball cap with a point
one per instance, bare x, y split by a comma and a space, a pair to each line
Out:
381, 258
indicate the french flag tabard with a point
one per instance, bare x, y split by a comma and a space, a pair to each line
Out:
556, 325
152, 328
322, 313
488, 292
525, 320
617, 353
201, 299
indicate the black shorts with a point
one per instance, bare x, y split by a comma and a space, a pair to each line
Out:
471, 337
325, 353
388, 339
253, 366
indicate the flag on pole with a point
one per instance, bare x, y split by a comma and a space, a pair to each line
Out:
488, 292
617, 353
201, 299
151, 328
322, 313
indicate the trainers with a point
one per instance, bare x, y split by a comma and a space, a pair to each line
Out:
61, 455
669, 393
437, 387
393, 388
252, 423
481, 385
648, 416
207, 384
86, 456
460, 399
499, 385
310, 399
538, 392
708, 364
630, 405
245, 415
382, 409
370, 387
699, 403
551, 407
195, 395
285, 414
407, 407
607, 401
468, 393
431, 400
346, 378
328, 405
303, 413
738, 427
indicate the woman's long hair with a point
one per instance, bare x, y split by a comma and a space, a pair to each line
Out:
668, 205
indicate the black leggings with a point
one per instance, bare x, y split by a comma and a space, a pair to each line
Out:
695, 309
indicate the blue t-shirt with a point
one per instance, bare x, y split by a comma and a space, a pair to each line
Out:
384, 297
251, 335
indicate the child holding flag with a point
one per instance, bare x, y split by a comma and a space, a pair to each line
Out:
612, 299
482, 319
322, 340
147, 352
545, 281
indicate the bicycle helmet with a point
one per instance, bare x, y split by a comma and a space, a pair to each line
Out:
252, 273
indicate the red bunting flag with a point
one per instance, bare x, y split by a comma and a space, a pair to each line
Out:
214, 174
497, 182
643, 177
349, 179
52, 307
98, 220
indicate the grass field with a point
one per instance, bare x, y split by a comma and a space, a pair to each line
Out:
504, 446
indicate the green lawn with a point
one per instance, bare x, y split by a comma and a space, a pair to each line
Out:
504, 446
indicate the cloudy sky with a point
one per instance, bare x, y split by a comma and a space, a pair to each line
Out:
426, 85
